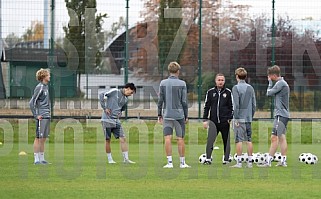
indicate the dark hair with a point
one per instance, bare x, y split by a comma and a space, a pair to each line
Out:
131, 86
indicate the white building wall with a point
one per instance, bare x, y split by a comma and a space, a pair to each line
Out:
98, 83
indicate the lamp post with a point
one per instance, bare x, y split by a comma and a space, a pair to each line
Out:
126, 52
51, 55
273, 51
199, 84
273, 34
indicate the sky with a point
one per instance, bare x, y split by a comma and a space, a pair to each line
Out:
17, 15
297, 9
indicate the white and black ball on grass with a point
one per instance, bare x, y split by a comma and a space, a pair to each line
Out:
302, 157
277, 157
266, 156
254, 155
235, 157
316, 159
259, 159
202, 158
245, 157
310, 159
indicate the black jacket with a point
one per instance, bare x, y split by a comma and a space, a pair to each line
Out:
219, 105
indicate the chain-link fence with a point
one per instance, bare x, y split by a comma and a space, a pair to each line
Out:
92, 46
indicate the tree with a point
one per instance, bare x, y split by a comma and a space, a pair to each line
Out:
84, 33
34, 32
167, 30
12, 39
114, 28
220, 20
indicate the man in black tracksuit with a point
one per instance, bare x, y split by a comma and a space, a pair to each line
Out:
218, 111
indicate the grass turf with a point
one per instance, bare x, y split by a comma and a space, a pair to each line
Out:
83, 173
79, 168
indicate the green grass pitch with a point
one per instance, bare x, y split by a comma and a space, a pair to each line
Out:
79, 168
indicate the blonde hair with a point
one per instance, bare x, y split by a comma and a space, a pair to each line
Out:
241, 73
274, 70
173, 67
42, 73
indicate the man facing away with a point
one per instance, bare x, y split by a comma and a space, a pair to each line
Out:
244, 105
173, 112
113, 102
281, 91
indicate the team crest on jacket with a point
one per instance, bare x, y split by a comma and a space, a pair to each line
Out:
224, 95
214, 94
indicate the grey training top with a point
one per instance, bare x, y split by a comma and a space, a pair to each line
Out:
116, 101
40, 101
172, 102
281, 91
244, 102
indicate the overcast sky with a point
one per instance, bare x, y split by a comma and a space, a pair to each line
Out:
18, 14
296, 9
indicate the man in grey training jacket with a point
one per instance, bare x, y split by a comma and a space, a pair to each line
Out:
281, 91
40, 108
244, 105
173, 112
113, 102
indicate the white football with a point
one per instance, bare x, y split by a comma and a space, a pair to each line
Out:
302, 157
254, 155
202, 158
235, 157
315, 158
245, 157
259, 159
310, 159
277, 157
